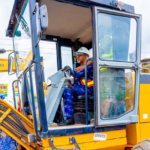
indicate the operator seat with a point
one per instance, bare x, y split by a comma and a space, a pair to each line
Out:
79, 109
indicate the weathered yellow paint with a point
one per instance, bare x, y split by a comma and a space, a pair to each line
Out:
144, 130
140, 131
4, 65
16, 112
113, 144
144, 102
84, 138
133, 134
5, 114
106, 144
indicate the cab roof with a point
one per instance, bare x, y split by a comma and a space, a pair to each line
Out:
85, 3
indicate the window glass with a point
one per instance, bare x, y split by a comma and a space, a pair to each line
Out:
116, 38
116, 92
66, 56
91, 52
22, 40
48, 52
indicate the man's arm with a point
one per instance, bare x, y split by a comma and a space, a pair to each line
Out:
78, 69
81, 73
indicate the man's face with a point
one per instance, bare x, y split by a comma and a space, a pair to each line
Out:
81, 57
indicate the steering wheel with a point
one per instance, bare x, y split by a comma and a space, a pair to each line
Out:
68, 71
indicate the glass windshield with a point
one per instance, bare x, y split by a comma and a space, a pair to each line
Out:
66, 56
116, 38
48, 52
119, 100
22, 40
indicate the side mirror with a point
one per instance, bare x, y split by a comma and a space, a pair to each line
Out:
41, 20
10, 64
44, 17
2, 51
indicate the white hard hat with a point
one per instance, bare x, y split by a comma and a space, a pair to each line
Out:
83, 50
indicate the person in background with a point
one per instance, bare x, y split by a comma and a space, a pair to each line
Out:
2, 97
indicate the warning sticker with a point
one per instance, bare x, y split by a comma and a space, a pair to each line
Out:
4, 89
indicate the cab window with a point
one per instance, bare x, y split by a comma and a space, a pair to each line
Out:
22, 40
66, 56
48, 52
116, 38
119, 100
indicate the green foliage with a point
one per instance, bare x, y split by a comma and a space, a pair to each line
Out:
120, 95
103, 94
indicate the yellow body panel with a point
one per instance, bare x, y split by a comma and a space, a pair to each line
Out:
140, 131
86, 138
144, 103
133, 134
145, 131
4, 65
114, 144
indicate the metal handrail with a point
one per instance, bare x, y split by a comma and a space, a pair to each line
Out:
145, 69
14, 92
32, 98
86, 93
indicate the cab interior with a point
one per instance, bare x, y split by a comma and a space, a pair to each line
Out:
69, 29
69, 32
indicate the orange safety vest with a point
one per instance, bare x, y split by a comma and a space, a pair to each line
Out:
89, 82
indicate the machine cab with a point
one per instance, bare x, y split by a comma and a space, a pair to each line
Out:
110, 31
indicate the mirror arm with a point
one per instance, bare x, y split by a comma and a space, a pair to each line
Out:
37, 12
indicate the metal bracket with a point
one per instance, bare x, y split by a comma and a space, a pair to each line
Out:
120, 3
115, 3
5, 114
72, 140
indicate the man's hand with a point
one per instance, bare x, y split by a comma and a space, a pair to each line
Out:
78, 69
69, 85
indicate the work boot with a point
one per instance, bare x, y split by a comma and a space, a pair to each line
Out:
68, 121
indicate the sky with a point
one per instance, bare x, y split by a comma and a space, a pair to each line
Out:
141, 7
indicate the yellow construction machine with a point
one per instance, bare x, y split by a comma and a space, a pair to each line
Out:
46, 35
4, 62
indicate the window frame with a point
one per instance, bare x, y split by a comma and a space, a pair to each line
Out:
129, 40
19, 72
132, 116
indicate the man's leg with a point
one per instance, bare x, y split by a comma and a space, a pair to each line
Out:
68, 103
68, 107
69, 94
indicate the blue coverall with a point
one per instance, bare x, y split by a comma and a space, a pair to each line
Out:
76, 90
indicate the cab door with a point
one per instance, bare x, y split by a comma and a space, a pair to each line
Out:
116, 51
